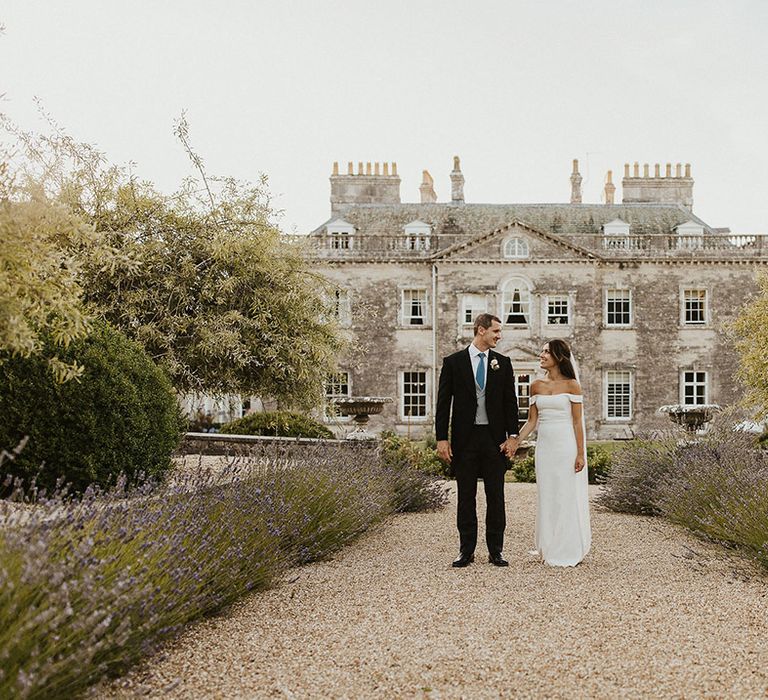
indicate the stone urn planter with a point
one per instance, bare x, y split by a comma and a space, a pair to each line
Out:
692, 418
360, 408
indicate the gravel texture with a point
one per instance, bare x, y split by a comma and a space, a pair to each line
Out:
651, 612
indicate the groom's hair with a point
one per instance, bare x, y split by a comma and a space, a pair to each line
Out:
485, 321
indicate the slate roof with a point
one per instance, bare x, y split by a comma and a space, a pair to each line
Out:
568, 221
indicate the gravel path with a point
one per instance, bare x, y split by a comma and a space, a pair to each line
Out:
651, 612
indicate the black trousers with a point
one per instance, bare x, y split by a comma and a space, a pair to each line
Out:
481, 458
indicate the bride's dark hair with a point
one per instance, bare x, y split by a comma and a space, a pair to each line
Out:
561, 353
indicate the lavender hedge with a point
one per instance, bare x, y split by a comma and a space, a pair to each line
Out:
89, 585
716, 485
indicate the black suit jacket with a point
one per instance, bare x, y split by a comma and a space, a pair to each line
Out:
457, 389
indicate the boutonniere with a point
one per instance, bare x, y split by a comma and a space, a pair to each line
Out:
494, 363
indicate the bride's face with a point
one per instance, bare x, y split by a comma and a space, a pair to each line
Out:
546, 361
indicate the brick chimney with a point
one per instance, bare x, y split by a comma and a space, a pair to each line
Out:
372, 185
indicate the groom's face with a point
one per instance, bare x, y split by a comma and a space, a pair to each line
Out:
489, 337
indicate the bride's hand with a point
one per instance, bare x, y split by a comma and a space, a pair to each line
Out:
579, 463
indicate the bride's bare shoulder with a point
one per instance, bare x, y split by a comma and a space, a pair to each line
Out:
537, 386
574, 387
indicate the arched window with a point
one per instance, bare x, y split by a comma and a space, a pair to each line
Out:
516, 302
516, 248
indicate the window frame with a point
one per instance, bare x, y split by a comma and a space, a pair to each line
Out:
405, 321
683, 309
463, 308
334, 418
694, 384
402, 395
506, 288
568, 308
606, 395
606, 299
520, 243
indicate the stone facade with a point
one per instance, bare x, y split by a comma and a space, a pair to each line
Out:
642, 290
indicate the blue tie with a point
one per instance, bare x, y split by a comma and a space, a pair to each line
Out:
480, 373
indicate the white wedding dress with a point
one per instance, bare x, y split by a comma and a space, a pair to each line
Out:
563, 532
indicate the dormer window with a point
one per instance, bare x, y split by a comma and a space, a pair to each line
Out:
340, 235
689, 236
417, 235
516, 248
616, 235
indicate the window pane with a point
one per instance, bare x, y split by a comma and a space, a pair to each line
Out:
557, 310
471, 306
517, 303
335, 385
695, 303
523, 395
414, 307
414, 394
618, 307
619, 394
694, 388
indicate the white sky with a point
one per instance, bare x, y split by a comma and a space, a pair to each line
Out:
517, 89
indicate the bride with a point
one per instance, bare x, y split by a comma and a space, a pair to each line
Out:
563, 534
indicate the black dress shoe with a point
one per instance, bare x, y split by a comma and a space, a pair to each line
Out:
497, 560
463, 560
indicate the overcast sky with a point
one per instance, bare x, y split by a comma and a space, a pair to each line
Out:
516, 89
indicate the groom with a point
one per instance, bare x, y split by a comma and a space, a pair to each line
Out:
478, 384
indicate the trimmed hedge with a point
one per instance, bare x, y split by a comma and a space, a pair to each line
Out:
277, 424
120, 417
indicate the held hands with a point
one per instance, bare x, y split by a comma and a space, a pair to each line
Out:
579, 463
509, 446
444, 450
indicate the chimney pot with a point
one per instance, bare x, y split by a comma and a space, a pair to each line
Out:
336, 167
626, 169
350, 168
386, 168
636, 169
678, 168
657, 170
669, 170
394, 169
645, 170
376, 168
360, 167
687, 169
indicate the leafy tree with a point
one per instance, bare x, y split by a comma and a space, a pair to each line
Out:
40, 291
203, 279
752, 344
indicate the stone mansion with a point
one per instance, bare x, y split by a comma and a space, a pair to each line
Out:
641, 288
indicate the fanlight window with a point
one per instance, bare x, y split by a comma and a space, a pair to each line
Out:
516, 302
516, 248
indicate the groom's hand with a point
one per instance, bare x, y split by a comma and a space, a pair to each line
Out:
444, 450
509, 446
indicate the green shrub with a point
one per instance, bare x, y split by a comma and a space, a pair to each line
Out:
423, 458
278, 424
598, 463
414, 474
523, 469
120, 417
